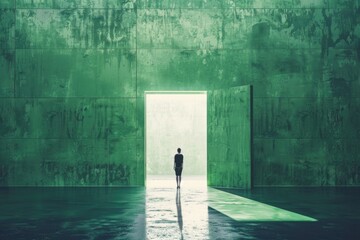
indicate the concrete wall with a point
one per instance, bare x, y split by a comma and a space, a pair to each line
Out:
73, 75
229, 138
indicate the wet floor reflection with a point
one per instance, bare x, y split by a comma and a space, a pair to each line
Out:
72, 213
160, 211
244, 209
179, 212
189, 217
176, 213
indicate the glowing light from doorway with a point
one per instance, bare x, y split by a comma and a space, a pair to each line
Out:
244, 209
176, 119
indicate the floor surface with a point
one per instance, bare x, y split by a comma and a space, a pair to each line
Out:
160, 211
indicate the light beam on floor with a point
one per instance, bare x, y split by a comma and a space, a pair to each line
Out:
244, 209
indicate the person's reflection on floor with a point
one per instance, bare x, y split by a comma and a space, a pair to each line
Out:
179, 213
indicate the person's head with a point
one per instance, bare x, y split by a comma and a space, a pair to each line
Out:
179, 150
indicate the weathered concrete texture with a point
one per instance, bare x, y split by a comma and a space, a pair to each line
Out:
7, 4
61, 142
140, 118
79, 70
341, 74
275, 72
75, 72
340, 4
306, 162
60, 162
75, 28
7, 28
247, 28
192, 29
188, 4
343, 29
171, 69
159, 70
7, 70
128, 4
285, 72
306, 118
68, 118
229, 137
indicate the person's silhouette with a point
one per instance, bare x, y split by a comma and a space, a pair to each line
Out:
178, 166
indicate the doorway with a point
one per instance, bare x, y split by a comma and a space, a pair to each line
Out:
175, 119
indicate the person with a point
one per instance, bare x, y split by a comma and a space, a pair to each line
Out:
178, 166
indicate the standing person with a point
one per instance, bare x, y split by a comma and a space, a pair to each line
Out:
178, 166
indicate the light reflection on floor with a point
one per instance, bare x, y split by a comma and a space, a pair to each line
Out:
176, 214
119, 213
244, 209
183, 213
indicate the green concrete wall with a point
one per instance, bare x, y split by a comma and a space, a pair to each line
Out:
229, 137
73, 75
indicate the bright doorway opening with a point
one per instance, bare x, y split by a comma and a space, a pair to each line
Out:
175, 120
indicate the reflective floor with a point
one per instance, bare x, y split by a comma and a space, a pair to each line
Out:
160, 211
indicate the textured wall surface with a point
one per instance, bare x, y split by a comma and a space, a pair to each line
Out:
73, 75
229, 137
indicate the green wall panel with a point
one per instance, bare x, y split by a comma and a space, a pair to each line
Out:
140, 117
273, 72
159, 70
338, 4
229, 137
238, 28
325, 162
20, 150
140, 162
7, 28
306, 118
20, 163
140, 141
186, 4
64, 151
343, 28
274, 167
36, 4
87, 118
74, 4
173, 28
68, 118
75, 72
286, 72
75, 28
19, 118
79, 151
271, 32
341, 74
289, 3
7, 4
59, 162
7, 72
192, 70
17, 174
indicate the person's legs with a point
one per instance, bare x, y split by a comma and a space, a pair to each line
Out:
179, 180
